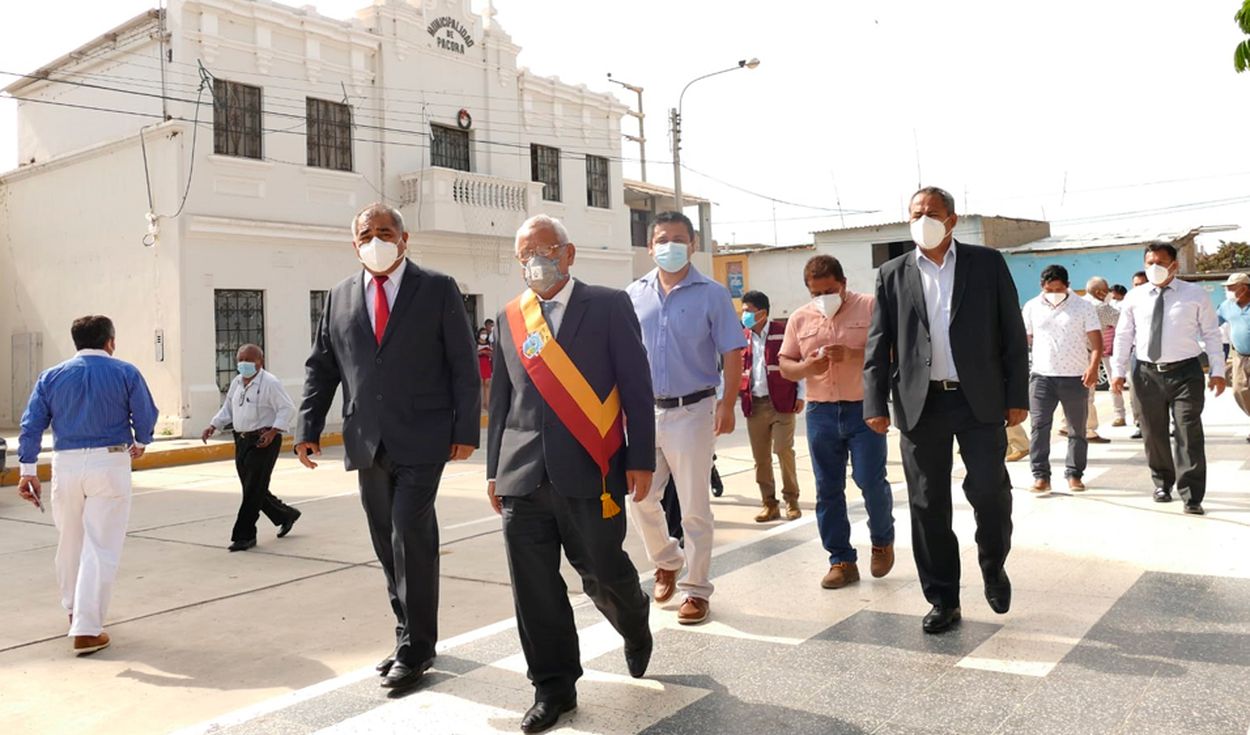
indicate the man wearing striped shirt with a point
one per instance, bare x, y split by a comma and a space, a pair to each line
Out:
102, 416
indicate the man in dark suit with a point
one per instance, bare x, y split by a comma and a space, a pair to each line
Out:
948, 340
571, 431
397, 338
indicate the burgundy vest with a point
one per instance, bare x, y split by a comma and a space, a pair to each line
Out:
784, 393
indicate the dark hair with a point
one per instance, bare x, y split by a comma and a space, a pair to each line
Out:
488, 322
947, 200
1055, 273
664, 218
823, 266
91, 332
1120, 289
1159, 246
757, 299
1141, 275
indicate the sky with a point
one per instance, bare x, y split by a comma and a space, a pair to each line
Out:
1102, 117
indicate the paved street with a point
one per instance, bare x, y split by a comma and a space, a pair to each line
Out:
1128, 617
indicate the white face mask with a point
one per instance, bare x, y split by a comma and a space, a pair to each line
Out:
1157, 274
378, 255
1055, 299
928, 232
828, 304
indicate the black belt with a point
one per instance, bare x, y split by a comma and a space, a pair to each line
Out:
685, 400
1167, 367
249, 434
944, 386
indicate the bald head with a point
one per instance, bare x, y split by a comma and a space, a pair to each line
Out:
251, 353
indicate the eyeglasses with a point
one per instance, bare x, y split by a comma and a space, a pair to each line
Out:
545, 251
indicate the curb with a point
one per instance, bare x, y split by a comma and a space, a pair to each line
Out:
175, 457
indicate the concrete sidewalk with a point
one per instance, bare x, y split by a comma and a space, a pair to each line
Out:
1128, 617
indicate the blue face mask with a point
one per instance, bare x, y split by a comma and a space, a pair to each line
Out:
748, 319
247, 369
672, 256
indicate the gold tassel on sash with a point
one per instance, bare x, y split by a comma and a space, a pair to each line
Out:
610, 508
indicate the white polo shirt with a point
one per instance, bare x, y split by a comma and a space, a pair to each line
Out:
1060, 341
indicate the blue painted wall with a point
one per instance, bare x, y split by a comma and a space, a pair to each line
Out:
1117, 265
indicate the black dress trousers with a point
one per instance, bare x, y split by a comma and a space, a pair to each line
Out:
927, 459
1178, 393
535, 526
255, 467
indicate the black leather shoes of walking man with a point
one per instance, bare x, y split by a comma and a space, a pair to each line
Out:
544, 715
998, 593
402, 676
941, 619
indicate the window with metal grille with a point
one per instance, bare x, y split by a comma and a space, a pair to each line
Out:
316, 307
597, 179
329, 134
236, 119
545, 167
639, 225
883, 252
239, 320
449, 148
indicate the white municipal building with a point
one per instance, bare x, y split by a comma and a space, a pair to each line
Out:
304, 120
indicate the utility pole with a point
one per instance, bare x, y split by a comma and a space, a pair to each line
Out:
641, 138
674, 120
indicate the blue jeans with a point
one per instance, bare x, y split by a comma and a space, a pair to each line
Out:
834, 431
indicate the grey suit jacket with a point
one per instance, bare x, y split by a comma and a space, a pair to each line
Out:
417, 393
526, 442
986, 332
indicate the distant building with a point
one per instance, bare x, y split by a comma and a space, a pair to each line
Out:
304, 120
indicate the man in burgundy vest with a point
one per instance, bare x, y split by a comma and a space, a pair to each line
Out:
769, 402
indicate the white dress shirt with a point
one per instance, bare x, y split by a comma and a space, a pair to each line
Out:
1060, 335
261, 403
391, 287
558, 305
939, 289
1189, 327
759, 366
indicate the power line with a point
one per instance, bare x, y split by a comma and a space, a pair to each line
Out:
775, 199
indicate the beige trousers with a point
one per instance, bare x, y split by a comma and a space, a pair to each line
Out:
772, 433
1239, 375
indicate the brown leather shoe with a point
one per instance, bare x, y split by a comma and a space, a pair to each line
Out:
665, 584
84, 644
1075, 485
1041, 486
1095, 439
768, 513
693, 611
840, 575
882, 560
793, 511
1118, 422
1017, 455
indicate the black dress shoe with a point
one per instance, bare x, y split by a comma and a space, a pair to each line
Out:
242, 545
403, 676
637, 657
998, 593
544, 715
1136, 434
384, 666
941, 619
1194, 509
1163, 495
286, 527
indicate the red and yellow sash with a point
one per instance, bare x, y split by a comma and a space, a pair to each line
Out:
597, 425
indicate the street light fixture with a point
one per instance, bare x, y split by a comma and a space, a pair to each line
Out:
675, 118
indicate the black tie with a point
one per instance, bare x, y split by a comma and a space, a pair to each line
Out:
1155, 348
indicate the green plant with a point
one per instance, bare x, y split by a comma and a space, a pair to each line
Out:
1241, 54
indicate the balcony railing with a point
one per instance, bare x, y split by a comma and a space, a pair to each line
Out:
446, 200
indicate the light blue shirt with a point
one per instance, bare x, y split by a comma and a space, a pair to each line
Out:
91, 400
939, 289
1238, 320
685, 331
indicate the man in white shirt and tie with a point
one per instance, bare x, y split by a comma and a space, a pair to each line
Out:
1170, 323
260, 410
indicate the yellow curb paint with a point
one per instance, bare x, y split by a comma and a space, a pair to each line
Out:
174, 457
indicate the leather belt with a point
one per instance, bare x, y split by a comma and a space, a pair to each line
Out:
250, 434
944, 385
685, 400
1167, 367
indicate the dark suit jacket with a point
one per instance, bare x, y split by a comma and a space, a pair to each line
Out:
526, 441
986, 332
417, 393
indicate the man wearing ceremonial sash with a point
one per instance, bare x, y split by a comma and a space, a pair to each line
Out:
571, 432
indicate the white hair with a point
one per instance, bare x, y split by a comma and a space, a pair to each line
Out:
541, 222
1097, 281
380, 208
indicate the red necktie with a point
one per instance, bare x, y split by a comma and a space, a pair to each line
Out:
381, 307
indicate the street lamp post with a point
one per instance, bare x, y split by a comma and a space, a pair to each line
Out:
675, 122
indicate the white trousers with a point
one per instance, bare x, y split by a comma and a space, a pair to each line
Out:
685, 438
90, 507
